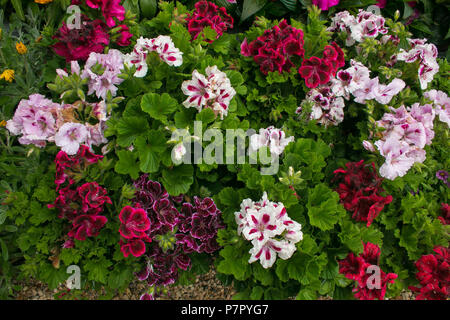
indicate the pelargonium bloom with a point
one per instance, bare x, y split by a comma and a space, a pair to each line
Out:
445, 214
275, 49
267, 225
315, 71
110, 9
359, 190
271, 137
134, 222
70, 136
211, 91
433, 275
324, 5
124, 36
87, 226
112, 64
207, 14
77, 44
356, 268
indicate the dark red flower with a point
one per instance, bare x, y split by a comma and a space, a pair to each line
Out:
359, 190
167, 214
356, 268
78, 43
434, 275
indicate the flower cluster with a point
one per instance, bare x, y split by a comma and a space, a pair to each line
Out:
213, 91
441, 104
107, 79
406, 132
426, 54
364, 25
78, 43
433, 275
110, 9
325, 4
162, 45
134, 223
81, 205
39, 120
327, 108
207, 14
318, 71
274, 50
359, 190
35, 120
267, 225
174, 233
272, 138
356, 81
356, 268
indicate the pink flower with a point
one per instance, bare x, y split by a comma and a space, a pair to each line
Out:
134, 246
112, 63
384, 93
110, 9
164, 46
87, 226
261, 225
367, 91
381, 3
125, 36
70, 136
325, 4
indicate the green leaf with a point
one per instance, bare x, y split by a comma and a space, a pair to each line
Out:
257, 293
159, 106
306, 294
5, 254
98, 269
290, 4
127, 163
206, 116
178, 180
148, 8
149, 150
234, 263
323, 206
129, 128
250, 7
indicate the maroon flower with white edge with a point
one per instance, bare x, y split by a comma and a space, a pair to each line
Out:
134, 222
166, 212
203, 228
205, 206
186, 212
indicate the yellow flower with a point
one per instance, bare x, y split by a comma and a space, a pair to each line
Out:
21, 48
8, 75
2, 123
43, 1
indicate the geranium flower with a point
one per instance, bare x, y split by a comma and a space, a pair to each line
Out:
87, 226
445, 214
77, 44
70, 136
93, 196
324, 5
167, 214
433, 275
267, 252
134, 222
125, 36
203, 227
315, 71
164, 46
271, 137
134, 246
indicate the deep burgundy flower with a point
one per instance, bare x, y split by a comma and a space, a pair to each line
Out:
87, 226
67, 204
359, 190
275, 49
207, 14
167, 214
203, 228
205, 206
315, 71
186, 212
134, 222
334, 55
183, 261
78, 43
148, 191
434, 275
125, 36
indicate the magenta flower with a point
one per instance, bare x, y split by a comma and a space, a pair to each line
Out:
134, 246
87, 226
325, 4
125, 36
315, 71
134, 222
93, 196
442, 175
